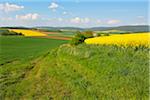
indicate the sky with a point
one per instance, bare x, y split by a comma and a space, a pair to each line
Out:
73, 13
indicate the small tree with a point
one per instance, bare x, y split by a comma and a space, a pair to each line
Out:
78, 38
20, 33
81, 36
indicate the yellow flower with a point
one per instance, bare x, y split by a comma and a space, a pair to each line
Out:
28, 32
135, 39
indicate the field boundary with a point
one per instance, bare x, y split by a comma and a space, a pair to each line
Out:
55, 37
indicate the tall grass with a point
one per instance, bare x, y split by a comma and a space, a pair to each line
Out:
89, 72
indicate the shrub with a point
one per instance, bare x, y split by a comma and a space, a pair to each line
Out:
78, 38
20, 33
81, 36
99, 34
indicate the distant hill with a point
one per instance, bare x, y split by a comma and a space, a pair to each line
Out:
137, 28
131, 28
60, 28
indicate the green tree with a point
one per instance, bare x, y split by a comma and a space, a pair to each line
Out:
78, 38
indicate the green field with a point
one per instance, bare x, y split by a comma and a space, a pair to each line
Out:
14, 48
63, 34
83, 72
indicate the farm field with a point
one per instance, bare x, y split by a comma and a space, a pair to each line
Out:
28, 32
19, 47
132, 39
63, 34
43, 34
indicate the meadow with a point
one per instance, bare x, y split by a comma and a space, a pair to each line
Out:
15, 48
102, 72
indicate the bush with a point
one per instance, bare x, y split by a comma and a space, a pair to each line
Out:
81, 36
20, 33
78, 38
99, 34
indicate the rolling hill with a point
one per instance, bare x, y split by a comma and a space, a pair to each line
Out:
131, 28
136, 28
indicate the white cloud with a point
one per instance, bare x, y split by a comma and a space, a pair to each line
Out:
53, 6
113, 21
10, 7
64, 13
78, 20
141, 17
75, 20
6, 19
86, 20
98, 21
30, 16
60, 19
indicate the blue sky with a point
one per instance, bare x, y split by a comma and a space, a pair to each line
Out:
78, 13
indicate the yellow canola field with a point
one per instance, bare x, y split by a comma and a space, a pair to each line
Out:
135, 39
28, 32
